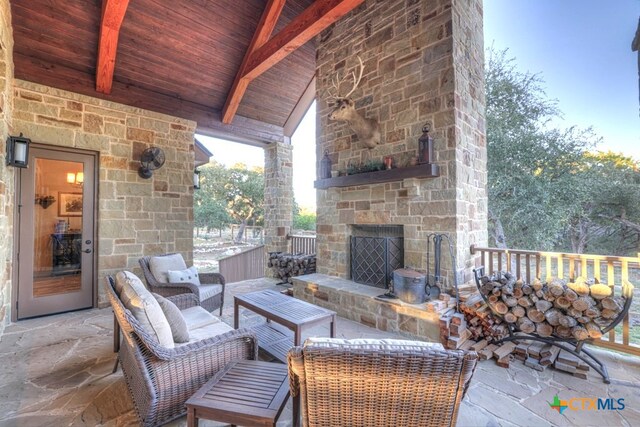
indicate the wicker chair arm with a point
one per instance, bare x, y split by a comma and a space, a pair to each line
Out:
212, 279
184, 301
469, 364
295, 360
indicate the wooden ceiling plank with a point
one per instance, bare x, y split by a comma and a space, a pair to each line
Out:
112, 16
265, 27
301, 108
320, 15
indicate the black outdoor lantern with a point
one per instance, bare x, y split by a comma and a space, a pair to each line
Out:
196, 179
425, 147
325, 166
18, 151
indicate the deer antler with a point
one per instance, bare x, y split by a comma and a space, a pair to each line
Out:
356, 82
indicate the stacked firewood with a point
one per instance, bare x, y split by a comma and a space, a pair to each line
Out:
286, 265
567, 310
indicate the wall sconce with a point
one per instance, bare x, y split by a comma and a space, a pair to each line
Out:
75, 178
18, 151
196, 179
425, 147
45, 201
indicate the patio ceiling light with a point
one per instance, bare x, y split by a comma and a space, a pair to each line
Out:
18, 151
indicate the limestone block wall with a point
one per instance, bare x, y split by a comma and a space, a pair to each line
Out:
423, 65
135, 216
6, 174
278, 196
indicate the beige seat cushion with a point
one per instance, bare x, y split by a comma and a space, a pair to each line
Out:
372, 344
208, 291
178, 326
197, 317
208, 331
160, 265
145, 308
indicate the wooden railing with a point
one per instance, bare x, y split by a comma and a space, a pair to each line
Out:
302, 244
611, 270
243, 266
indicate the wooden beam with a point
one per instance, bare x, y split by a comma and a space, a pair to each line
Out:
112, 16
301, 108
303, 28
265, 27
313, 20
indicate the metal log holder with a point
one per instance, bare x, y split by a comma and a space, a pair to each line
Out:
433, 280
570, 345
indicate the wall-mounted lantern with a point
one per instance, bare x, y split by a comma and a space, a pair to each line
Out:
425, 147
18, 151
196, 179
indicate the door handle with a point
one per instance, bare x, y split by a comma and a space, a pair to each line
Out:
87, 251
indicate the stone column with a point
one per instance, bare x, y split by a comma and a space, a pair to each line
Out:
278, 195
6, 174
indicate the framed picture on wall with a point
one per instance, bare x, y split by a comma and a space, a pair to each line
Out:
69, 204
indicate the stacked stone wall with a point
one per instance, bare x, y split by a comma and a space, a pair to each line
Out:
6, 174
423, 65
135, 216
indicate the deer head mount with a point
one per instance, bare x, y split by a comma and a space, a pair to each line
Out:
367, 130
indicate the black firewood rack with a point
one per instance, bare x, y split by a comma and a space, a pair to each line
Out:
570, 345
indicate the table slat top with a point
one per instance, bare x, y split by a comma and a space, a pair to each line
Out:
283, 307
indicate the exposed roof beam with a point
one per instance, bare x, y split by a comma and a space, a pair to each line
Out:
265, 27
112, 16
313, 20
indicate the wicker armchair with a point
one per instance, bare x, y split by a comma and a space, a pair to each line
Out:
169, 289
379, 382
160, 379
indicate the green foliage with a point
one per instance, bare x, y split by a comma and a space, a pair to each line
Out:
546, 190
303, 219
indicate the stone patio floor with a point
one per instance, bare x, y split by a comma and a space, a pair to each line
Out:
56, 371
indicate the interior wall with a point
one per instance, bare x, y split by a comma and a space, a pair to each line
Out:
136, 216
6, 173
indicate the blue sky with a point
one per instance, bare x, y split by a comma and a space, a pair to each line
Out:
582, 50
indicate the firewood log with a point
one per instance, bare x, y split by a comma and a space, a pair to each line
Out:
562, 331
583, 319
486, 288
579, 333
570, 295
537, 284
562, 302
525, 325
592, 312
594, 330
582, 303
600, 291
510, 301
579, 287
526, 289
535, 316
543, 305
493, 299
573, 312
556, 287
610, 303
517, 293
544, 329
609, 314
510, 317
518, 311
496, 291
524, 302
553, 316
540, 293
568, 321
501, 307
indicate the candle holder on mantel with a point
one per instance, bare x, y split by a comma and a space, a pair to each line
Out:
425, 147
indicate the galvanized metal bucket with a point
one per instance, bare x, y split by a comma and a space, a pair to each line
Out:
409, 285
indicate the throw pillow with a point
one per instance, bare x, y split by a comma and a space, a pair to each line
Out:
176, 321
159, 265
190, 275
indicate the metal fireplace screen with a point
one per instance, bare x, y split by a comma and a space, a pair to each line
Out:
373, 259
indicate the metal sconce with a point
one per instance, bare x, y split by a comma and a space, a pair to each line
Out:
425, 147
18, 151
196, 179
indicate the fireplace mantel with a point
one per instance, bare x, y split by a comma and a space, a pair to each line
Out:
427, 170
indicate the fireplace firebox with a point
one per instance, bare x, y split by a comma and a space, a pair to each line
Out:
375, 251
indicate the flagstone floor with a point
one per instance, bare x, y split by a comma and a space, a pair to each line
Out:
56, 371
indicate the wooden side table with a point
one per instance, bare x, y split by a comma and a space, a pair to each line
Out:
246, 392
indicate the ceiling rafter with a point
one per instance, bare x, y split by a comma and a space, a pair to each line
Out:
314, 19
265, 27
113, 12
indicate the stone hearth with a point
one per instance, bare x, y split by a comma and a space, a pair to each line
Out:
359, 303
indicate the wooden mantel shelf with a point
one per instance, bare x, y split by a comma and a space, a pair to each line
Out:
428, 170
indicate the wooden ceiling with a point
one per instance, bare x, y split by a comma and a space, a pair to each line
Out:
179, 57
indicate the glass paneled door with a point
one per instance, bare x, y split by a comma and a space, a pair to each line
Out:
56, 226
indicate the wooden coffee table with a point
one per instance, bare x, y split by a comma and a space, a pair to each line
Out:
246, 392
292, 313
